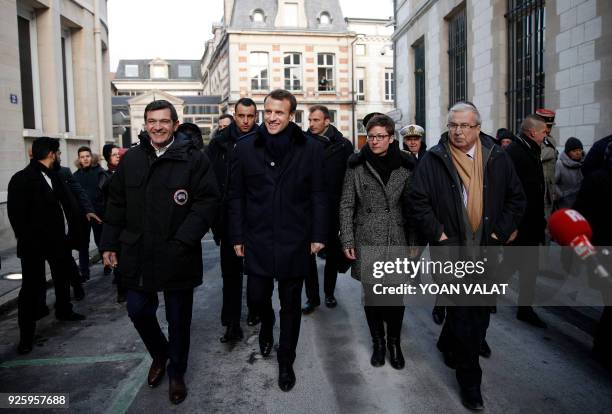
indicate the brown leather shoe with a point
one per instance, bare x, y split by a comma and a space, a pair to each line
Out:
157, 371
178, 390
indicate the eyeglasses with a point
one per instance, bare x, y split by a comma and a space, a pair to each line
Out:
463, 127
378, 138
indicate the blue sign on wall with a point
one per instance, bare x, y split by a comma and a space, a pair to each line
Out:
14, 99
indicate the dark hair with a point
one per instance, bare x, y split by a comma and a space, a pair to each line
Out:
282, 95
383, 121
41, 147
83, 149
107, 150
245, 102
192, 132
161, 104
226, 116
503, 133
321, 108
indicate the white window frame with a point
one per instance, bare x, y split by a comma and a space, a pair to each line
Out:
389, 81
294, 68
290, 19
131, 66
28, 14
327, 66
328, 17
360, 77
256, 70
185, 67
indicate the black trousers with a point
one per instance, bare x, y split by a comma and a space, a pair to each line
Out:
259, 290
464, 329
142, 308
84, 249
31, 303
231, 271
378, 315
330, 275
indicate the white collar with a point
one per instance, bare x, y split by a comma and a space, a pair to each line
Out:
159, 152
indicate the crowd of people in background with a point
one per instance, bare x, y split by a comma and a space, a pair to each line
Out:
275, 197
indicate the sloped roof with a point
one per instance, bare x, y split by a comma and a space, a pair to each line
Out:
243, 9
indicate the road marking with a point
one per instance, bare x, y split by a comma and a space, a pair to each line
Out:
71, 360
129, 387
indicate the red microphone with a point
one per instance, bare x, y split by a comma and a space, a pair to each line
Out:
569, 228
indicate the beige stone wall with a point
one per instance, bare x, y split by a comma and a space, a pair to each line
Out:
50, 19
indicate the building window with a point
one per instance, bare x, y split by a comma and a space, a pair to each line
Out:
457, 57
325, 18
131, 71
332, 116
184, 71
293, 71
389, 85
159, 71
360, 49
299, 118
290, 14
419, 82
27, 76
258, 16
67, 80
260, 116
258, 66
361, 127
526, 27
360, 84
325, 62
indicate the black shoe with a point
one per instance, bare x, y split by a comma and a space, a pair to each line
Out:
24, 347
177, 390
438, 314
485, 351
253, 319
396, 358
78, 292
472, 399
286, 377
157, 370
527, 314
72, 316
265, 344
309, 307
330, 301
378, 352
232, 333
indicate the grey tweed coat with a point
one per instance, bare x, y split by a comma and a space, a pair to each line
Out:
371, 213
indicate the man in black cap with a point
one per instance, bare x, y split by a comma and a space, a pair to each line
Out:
46, 220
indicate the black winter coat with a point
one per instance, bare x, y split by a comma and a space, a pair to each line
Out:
275, 210
525, 154
437, 197
92, 180
80, 194
35, 213
219, 152
594, 159
337, 150
594, 202
157, 212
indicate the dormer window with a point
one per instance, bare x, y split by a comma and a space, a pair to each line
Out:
258, 16
159, 69
325, 18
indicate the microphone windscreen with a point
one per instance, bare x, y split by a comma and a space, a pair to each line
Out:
566, 224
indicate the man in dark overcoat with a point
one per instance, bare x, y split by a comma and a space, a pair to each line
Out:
277, 218
337, 151
47, 224
162, 200
466, 193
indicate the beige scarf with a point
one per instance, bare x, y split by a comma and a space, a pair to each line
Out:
471, 174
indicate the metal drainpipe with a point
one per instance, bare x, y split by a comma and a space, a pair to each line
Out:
99, 76
354, 127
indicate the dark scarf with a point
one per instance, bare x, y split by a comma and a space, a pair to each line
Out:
277, 145
235, 133
384, 165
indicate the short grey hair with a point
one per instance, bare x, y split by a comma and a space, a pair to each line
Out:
464, 107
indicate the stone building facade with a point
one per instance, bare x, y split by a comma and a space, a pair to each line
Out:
509, 57
54, 80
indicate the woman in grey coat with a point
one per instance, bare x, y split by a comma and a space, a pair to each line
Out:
373, 216
568, 173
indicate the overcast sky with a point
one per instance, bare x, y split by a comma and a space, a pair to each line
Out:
177, 29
